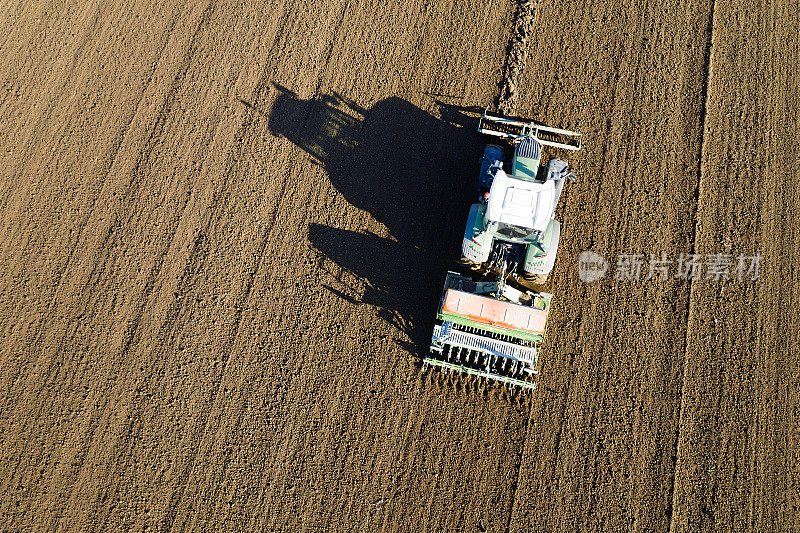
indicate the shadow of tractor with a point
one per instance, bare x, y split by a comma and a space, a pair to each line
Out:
415, 173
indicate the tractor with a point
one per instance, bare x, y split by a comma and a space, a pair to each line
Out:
493, 327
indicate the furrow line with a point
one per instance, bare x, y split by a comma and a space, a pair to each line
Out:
516, 56
708, 66
516, 59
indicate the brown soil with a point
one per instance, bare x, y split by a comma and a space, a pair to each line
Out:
225, 227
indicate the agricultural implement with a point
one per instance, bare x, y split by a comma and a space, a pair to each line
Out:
493, 327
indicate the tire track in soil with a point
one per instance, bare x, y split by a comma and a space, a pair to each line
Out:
74, 246
69, 330
195, 263
737, 467
597, 194
246, 131
92, 276
516, 56
105, 173
241, 305
506, 104
197, 258
133, 327
708, 69
137, 174
596, 454
143, 155
516, 61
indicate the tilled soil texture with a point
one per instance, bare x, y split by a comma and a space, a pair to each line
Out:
738, 464
224, 232
670, 404
225, 228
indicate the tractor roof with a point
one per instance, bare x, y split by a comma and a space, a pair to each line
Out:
519, 202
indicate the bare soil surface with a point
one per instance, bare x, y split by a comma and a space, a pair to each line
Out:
670, 405
224, 229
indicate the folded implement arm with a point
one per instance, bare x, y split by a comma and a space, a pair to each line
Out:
515, 130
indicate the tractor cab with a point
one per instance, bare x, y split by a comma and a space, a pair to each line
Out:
519, 209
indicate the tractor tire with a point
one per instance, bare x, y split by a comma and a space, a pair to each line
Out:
533, 281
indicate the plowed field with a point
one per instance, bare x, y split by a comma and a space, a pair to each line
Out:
224, 228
